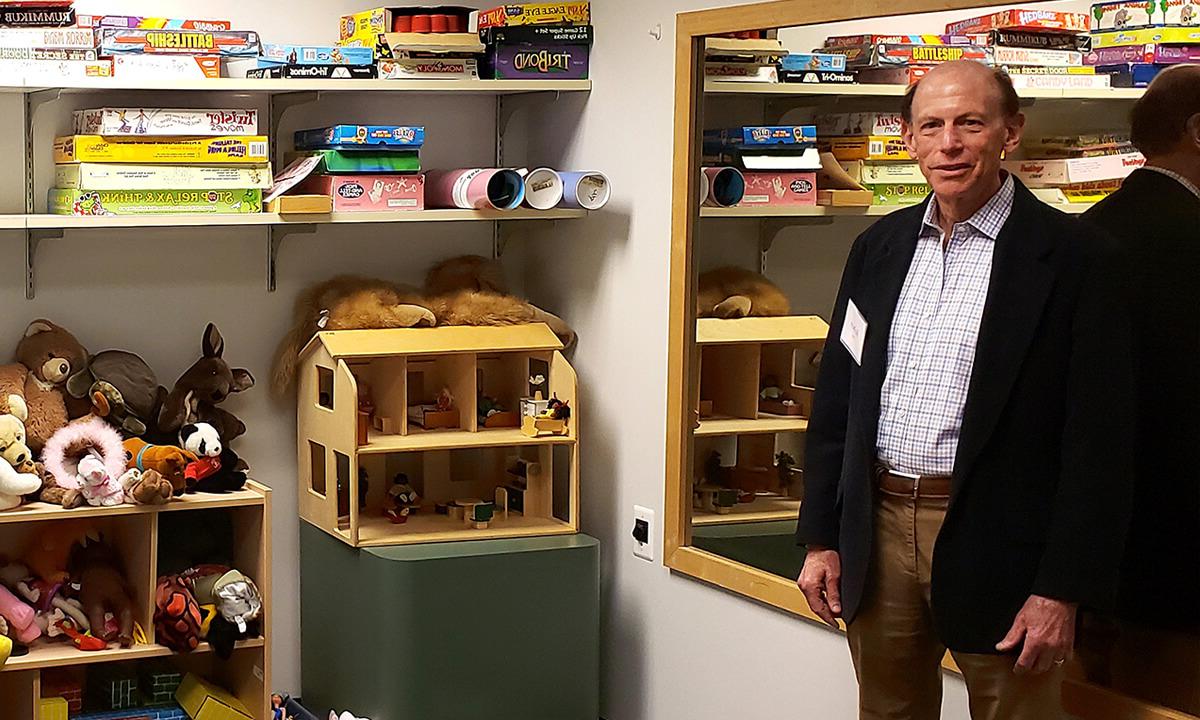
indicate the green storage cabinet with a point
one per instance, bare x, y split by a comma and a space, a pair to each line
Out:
493, 629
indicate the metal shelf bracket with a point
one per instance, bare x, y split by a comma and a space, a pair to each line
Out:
32, 239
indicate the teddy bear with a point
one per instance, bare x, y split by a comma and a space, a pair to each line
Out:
103, 588
166, 460
208, 382
467, 290
17, 470
219, 469
146, 488
86, 459
32, 388
733, 292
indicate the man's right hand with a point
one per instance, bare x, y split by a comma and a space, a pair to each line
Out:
819, 581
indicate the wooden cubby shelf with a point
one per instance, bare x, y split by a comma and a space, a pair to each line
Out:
821, 211
146, 540
389, 406
765, 509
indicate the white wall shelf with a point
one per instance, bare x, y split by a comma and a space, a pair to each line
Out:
71, 222
252, 86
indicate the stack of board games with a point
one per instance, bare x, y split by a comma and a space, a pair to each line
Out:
743, 59
38, 43
415, 43
1075, 168
1132, 42
155, 161
870, 148
899, 59
551, 41
147, 48
1038, 48
305, 61
363, 168
814, 67
779, 162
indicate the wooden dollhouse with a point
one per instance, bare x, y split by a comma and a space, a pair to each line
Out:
416, 435
755, 379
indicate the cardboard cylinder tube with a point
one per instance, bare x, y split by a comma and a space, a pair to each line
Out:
474, 189
585, 190
725, 186
543, 189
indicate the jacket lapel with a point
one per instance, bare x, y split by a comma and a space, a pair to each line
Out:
1021, 280
879, 292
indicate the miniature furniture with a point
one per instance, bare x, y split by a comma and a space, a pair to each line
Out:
497, 629
138, 533
427, 388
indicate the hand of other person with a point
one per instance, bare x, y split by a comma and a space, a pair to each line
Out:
820, 580
1048, 629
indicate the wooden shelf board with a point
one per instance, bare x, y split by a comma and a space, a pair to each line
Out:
791, 328
63, 654
761, 510
196, 501
444, 340
881, 90
71, 222
253, 86
1094, 702
743, 426
427, 526
819, 211
455, 439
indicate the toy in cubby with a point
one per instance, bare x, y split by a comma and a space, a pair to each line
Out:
443, 408
737, 470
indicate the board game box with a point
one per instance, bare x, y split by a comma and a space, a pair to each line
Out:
154, 202
1131, 74
1065, 171
852, 40
58, 38
229, 43
818, 77
1034, 56
543, 34
350, 137
859, 123
361, 29
741, 72
273, 54
560, 13
11, 53
1147, 36
316, 72
429, 69
247, 150
162, 67
136, 22
893, 75
165, 122
363, 162
760, 135
37, 14
884, 173
1049, 70
866, 147
118, 176
898, 194
1040, 40
542, 61
771, 189
54, 72
1152, 53
369, 193
1060, 82
796, 62
1022, 20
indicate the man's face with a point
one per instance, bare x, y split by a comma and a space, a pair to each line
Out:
958, 132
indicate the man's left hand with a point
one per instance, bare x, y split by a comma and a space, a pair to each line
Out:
1048, 628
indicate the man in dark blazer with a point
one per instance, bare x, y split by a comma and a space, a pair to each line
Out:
1155, 217
973, 393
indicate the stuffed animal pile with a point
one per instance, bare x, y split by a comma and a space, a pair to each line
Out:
98, 430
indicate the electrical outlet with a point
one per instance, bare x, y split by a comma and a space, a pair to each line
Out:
643, 532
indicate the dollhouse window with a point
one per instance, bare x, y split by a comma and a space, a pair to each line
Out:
316, 454
325, 387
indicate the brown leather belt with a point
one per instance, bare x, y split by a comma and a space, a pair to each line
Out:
916, 486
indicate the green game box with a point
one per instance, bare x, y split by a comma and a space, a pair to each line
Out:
370, 162
154, 202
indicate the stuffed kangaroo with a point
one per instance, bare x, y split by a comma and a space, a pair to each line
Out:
205, 385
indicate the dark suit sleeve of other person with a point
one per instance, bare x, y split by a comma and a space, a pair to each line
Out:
1090, 510
825, 441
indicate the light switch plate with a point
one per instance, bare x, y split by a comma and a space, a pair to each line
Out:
645, 550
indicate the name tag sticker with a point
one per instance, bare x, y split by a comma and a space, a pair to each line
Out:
854, 331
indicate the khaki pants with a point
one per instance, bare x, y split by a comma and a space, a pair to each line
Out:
897, 655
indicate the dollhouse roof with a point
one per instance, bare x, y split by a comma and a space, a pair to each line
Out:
444, 340
790, 328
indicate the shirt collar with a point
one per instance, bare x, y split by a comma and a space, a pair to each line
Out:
988, 220
1191, 187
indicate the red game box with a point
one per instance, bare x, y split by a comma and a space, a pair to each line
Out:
368, 193
1022, 20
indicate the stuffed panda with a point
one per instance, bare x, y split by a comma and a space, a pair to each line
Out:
219, 469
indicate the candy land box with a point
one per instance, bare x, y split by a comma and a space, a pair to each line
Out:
537, 61
273, 54
1067, 81
116, 41
247, 150
560, 13
369, 193
166, 67
351, 137
770, 189
165, 122
153, 202
859, 123
119, 176
1022, 20
795, 62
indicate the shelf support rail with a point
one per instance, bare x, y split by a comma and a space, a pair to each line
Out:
34, 101
275, 237
506, 107
33, 238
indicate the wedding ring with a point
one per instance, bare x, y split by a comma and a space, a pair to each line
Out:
1060, 661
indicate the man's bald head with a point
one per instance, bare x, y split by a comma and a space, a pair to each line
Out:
1164, 119
966, 72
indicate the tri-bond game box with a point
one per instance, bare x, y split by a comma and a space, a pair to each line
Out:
350, 137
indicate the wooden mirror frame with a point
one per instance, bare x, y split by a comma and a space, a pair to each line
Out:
1087, 701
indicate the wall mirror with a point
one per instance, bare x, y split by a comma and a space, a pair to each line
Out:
740, 389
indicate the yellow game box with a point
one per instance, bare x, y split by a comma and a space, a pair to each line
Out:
247, 150
866, 147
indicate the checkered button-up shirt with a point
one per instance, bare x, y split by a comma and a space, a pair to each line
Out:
931, 349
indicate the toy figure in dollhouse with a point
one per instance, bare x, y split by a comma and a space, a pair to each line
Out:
402, 500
